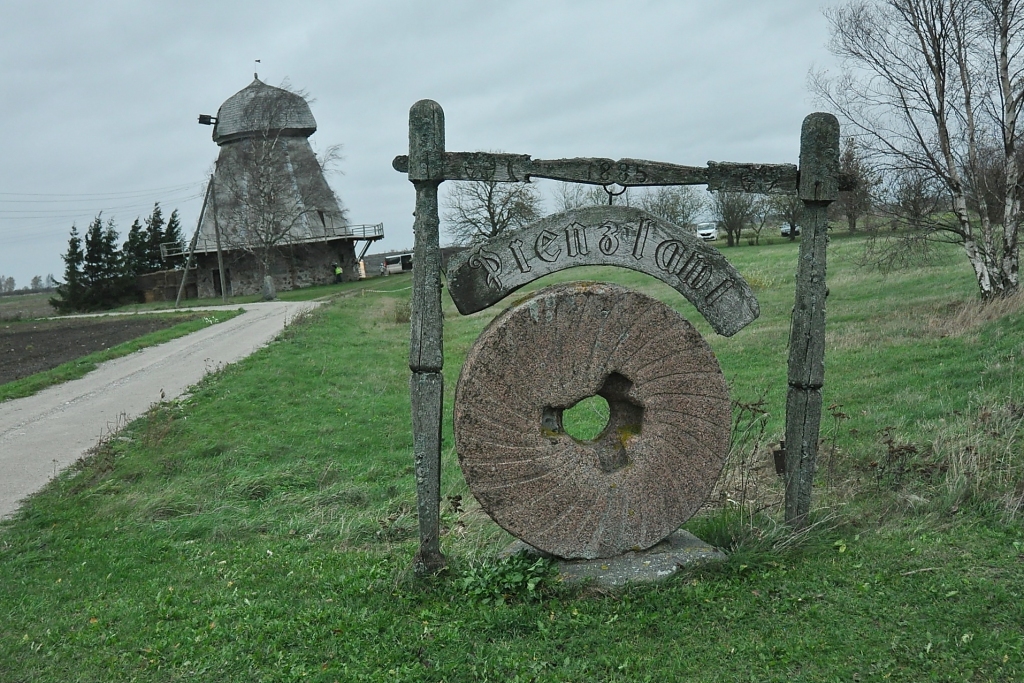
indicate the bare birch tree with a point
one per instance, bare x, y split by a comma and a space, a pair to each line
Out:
927, 87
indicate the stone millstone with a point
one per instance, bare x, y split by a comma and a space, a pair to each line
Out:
648, 471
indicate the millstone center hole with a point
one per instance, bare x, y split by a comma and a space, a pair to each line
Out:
587, 419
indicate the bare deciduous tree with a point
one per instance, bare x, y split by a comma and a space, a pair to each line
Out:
856, 203
732, 211
679, 205
927, 86
909, 202
916, 198
762, 213
571, 196
481, 209
789, 209
986, 187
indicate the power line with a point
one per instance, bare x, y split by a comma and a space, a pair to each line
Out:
43, 225
128, 194
70, 212
69, 201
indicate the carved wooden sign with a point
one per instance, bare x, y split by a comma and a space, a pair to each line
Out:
515, 168
618, 236
604, 236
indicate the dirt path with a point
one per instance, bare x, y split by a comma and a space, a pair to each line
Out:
44, 433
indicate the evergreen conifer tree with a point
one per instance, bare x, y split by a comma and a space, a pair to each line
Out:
154, 236
135, 251
172, 233
102, 269
70, 293
93, 266
116, 286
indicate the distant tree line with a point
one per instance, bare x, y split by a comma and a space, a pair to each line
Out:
98, 274
37, 284
479, 210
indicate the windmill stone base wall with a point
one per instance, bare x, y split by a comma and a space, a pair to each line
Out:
295, 267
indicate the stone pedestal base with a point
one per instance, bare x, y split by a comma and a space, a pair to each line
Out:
659, 562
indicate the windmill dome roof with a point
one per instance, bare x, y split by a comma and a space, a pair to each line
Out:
261, 107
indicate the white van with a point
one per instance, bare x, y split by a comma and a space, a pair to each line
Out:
398, 263
708, 231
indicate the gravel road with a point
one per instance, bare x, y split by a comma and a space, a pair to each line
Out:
42, 434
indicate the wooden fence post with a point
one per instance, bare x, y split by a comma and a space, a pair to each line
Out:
426, 351
818, 187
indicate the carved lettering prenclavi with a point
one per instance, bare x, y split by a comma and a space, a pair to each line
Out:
606, 235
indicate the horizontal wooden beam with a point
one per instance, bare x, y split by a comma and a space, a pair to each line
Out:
514, 168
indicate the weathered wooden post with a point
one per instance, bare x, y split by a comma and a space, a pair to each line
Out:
192, 248
426, 351
220, 250
818, 187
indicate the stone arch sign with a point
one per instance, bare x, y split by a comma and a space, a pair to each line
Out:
604, 236
599, 491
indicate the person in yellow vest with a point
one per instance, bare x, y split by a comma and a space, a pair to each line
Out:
337, 274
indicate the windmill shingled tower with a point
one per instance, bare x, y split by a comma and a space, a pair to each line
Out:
269, 205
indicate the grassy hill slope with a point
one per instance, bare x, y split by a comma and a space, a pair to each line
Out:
263, 529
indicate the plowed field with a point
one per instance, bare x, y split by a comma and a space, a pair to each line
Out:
29, 347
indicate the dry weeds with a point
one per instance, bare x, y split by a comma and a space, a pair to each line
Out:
983, 456
968, 317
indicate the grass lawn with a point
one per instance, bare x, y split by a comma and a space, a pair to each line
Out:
263, 529
25, 306
304, 294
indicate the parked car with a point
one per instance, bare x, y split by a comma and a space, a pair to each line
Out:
784, 231
708, 231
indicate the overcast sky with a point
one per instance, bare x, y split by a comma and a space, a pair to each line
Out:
100, 99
